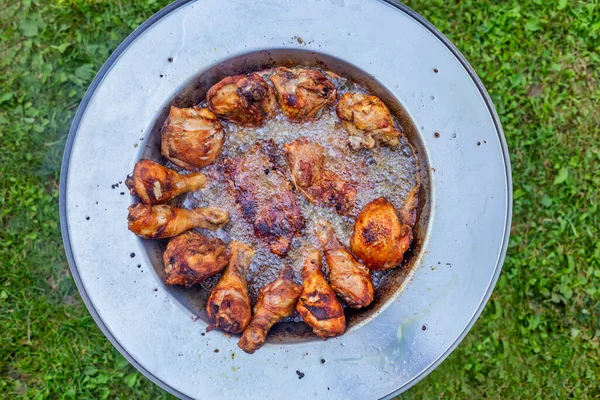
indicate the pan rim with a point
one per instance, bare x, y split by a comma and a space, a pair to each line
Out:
106, 68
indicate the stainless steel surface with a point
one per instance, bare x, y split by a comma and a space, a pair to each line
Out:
461, 254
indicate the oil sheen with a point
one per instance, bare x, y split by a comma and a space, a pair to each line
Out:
383, 171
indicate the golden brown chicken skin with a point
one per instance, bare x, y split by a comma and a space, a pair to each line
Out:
228, 306
243, 99
321, 186
163, 221
302, 93
367, 120
317, 305
348, 278
276, 301
153, 183
191, 257
192, 137
265, 196
380, 237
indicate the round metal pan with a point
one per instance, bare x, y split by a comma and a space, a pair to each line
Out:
466, 217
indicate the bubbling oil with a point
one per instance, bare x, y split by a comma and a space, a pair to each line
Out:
383, 171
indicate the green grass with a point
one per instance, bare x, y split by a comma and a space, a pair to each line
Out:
538, 337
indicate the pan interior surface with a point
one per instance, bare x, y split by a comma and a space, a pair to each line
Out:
194, 91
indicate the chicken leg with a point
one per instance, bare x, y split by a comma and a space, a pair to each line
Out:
367, 120
320, 185
192, 137
317, 305
380, 237
163, 221
243, 99
191, 257
276, 301
349, 279
228, 306
302, 93
154, 184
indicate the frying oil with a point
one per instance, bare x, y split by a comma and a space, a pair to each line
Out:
386, 172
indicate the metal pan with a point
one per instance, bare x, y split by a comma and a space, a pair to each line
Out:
464, 223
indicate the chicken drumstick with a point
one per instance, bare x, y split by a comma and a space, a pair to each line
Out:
276, 301
153, 183
163, 221
228, 306
367, 120
317, 305
349, 279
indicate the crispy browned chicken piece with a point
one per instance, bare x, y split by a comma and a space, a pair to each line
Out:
302, 93
276, 301
348, 278
317, 305
321, 186
380, 237
192, 137
228, 306
265, 196
191, 257
163, 221
244, 99
154, 184
367, 120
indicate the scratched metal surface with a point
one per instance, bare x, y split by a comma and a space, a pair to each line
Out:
461, 254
